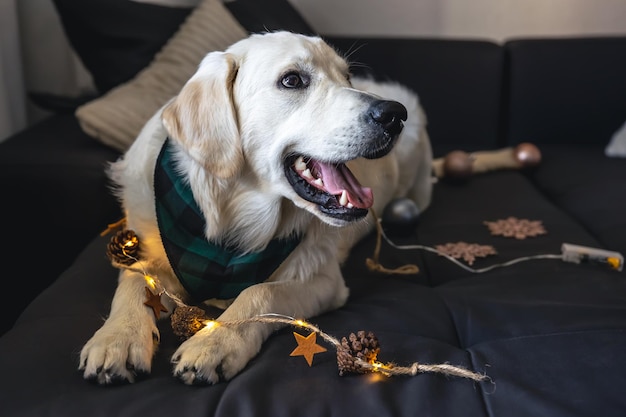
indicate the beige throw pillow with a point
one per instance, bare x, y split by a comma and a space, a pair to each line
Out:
116, 118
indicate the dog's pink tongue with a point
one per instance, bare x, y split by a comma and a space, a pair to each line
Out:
338, 178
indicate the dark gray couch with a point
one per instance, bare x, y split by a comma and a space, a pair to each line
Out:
550, 335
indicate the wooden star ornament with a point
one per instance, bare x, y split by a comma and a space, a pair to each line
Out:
154, 301
307, 347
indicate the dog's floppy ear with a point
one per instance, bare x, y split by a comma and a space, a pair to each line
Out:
202, 117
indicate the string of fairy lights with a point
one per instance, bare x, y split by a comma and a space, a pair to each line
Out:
349, 360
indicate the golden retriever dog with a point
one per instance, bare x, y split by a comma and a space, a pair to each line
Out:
272, 155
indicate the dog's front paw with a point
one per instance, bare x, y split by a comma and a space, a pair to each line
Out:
213, 354
119, 352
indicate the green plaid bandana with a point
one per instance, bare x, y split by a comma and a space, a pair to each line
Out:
206, 270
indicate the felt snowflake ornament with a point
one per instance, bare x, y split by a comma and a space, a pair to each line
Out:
516, 228
466, 251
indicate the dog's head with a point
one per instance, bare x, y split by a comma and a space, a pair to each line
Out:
281, 105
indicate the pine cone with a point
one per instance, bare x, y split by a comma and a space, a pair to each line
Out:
186, 321
123, 248
362, 345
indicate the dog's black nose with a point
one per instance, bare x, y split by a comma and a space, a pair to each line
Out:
389, 115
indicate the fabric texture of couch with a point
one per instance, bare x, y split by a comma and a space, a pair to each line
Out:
549, 335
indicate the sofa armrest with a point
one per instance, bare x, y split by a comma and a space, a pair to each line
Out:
56, 197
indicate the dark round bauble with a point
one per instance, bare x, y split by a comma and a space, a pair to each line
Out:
527, 154
400, 217
457, 165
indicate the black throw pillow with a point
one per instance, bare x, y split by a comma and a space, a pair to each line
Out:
115, 39
268, 15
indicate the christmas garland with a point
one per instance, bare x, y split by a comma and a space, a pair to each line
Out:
356, 353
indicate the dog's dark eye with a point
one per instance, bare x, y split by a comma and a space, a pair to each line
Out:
293, 80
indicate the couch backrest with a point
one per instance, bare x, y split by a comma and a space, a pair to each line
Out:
479, 94
458, 83
564, 90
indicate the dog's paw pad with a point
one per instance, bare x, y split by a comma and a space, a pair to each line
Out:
114, 375
111, 377
191, 376
212, 356
118, 354
108, 379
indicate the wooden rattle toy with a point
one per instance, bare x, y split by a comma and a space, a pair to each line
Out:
461, 165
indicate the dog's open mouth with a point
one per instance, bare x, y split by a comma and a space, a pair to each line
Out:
329, 185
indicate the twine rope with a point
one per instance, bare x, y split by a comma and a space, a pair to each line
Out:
388, 369
373, 263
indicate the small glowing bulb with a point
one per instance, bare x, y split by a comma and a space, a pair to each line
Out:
375, 377
379, 367
300, 323
131, 242
211, 324
150, 281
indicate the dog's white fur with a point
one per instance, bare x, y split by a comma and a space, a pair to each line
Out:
233, 124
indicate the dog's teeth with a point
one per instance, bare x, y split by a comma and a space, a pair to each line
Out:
306, 173
300, 165
319, 182
350, 205
343, 200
